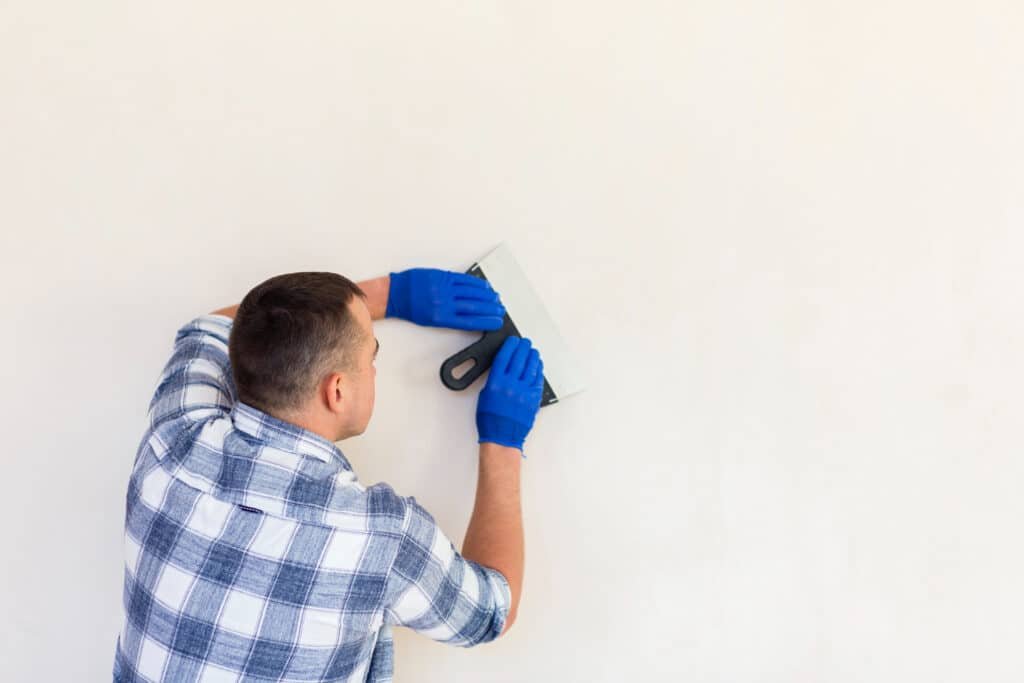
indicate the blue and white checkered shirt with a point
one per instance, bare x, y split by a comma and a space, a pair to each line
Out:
252, 553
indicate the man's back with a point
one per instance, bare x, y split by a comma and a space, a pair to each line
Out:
253, 553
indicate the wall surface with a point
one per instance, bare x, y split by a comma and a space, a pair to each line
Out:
785, 239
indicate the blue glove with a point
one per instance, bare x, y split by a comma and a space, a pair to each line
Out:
510, 399
442, 298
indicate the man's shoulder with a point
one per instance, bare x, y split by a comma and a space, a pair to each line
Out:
384, 501
213, 457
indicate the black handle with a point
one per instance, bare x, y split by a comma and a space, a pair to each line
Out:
482, 352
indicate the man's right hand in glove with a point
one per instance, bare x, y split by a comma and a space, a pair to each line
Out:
510, 399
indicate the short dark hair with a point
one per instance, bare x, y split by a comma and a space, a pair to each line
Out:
288, 332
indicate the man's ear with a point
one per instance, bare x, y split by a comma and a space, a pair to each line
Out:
333, 389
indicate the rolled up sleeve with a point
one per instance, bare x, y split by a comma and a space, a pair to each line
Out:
196, 382
435, 591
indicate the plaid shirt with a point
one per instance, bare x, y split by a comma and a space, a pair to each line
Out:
252, 553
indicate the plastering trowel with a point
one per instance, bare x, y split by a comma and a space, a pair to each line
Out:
525, 316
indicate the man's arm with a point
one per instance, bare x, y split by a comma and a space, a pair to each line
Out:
494, 537
376, 298
196, 382
230, 311
377, 291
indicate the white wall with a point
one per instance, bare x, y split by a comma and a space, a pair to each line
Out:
786, 239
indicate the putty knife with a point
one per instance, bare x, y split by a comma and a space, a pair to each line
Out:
562, 374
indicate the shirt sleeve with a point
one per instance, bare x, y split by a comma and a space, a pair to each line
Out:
435, 591
196, 382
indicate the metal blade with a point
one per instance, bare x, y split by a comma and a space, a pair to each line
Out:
562, 370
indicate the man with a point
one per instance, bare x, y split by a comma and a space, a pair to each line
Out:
252, 553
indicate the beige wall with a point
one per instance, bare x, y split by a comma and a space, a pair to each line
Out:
786, 239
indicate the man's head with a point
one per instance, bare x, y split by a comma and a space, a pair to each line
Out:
302, 349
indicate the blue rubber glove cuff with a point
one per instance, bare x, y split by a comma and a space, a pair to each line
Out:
399, 297
500, 430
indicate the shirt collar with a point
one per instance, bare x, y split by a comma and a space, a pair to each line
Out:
285, 436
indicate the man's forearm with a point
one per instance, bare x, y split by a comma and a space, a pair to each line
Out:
230, 311
376, 295
495, 534
376, 298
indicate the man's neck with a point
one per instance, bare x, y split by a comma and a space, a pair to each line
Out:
321, 427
